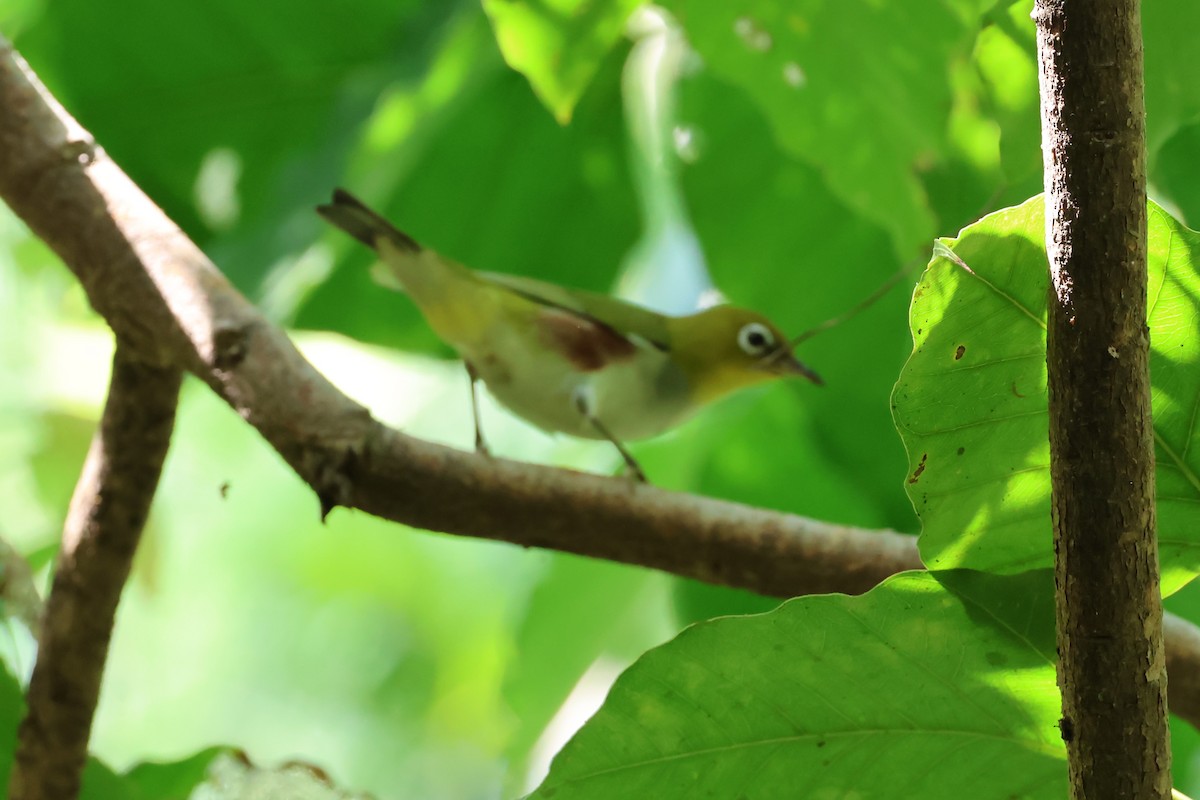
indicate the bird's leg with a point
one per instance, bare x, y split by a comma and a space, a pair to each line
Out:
480, 445
635, 469
585, 408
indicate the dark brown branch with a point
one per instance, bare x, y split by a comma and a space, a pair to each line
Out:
435, 488
1112, 668
107, 514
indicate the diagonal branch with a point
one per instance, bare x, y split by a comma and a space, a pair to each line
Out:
166, 300
106, 517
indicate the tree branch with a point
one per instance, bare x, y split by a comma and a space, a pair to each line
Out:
1111, 667
164, 298
105, 520
161, 294
1183, 667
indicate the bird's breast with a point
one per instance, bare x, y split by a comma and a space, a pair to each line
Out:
637, 397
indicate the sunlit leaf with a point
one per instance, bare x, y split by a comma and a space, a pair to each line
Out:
907, 691
827, 73
1005, 55
229, 113
971, 402
558, 44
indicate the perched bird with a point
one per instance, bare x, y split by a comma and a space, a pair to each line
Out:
571, 361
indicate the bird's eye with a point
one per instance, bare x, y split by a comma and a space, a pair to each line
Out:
756, 339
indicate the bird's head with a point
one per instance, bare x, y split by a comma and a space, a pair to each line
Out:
725, 348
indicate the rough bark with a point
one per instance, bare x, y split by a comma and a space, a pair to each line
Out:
1112, 668
107, 514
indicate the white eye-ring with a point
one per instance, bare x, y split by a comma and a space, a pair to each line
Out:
756, 339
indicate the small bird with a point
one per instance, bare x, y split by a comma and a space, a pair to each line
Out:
571, 361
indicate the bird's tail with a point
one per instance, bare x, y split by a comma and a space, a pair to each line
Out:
353, 216
448, 294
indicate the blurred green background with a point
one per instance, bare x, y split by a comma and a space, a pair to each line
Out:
807, 150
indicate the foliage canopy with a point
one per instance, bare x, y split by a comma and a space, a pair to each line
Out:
814, 148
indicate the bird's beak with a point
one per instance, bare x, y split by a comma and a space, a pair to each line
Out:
784, 363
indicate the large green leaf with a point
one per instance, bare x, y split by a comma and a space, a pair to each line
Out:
971, 401
489, 180
832, 74
907, 691
772, 250
558, 44
235, 117
1006, 59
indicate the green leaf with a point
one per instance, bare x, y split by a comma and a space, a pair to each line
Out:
1022, 603
579, 608
100, 782
1169, 30
971, 401
12, 709
558, 44
1176, 166
907, 691
827, 72
171, 781
697, 601
175, 780
1006, 54
769, 251
234, 140
148, 781
1006, 57
460, 186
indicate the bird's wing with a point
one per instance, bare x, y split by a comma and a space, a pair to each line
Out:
588, 329
623, 318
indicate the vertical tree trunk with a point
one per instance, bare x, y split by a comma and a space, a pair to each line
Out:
1111, 665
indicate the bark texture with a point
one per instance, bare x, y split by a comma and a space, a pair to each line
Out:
105, 521
1112, 668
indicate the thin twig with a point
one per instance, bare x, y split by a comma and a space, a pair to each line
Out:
858, 308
